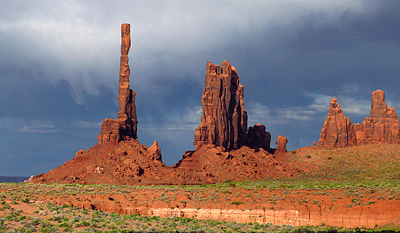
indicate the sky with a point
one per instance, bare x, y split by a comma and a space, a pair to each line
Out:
59, 69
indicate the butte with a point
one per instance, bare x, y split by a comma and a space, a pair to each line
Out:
225, 149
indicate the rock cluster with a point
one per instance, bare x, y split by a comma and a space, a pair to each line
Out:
125, 126
381, 127
225, 148
224, 119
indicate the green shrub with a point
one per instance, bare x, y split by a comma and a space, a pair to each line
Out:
236, 203
84, 223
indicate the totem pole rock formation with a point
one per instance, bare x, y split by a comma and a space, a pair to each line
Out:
224, 119
337, 130
281, 143
118, 157
125, 126
381, 127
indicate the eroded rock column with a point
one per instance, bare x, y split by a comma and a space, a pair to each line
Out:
125, 126
281, 143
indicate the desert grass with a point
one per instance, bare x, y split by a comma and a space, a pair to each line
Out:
363, 174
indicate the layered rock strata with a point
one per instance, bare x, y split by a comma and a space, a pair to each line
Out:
224, 119
125, 126
337, 130
381, 127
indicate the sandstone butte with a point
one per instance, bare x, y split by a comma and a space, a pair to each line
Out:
224, 147
381, 127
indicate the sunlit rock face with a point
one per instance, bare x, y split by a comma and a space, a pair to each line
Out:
337, 131
381, 127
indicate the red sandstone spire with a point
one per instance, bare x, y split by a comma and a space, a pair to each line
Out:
125, 126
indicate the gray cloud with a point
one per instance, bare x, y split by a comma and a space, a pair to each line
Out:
74, 41
45, 128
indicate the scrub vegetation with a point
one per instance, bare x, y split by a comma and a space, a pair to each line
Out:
353, 177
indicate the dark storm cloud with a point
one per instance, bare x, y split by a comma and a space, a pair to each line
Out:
60, 62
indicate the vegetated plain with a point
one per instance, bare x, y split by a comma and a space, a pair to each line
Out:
362, 178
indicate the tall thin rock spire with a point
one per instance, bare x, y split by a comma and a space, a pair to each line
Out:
125, 126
